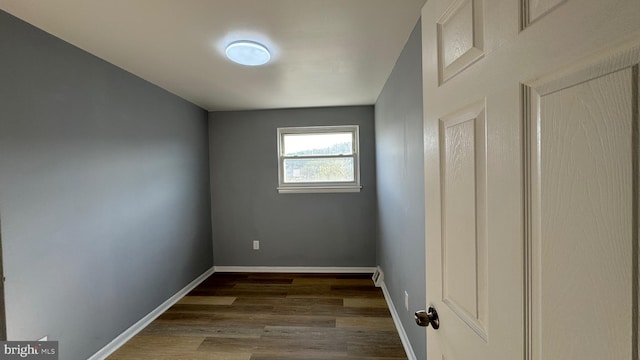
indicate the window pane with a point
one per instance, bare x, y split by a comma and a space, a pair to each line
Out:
318, 144
318, 170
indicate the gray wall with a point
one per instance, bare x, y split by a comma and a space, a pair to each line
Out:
400, 176
293, 229
104, 192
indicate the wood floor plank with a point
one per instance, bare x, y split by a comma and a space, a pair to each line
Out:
334, 291
350, 335
184, 355
330, 310
248, 320
365, 323
366, 303
262, 287
173, 329
237, 292
220, 309
289, 301
207, 300
266, 345
150, 347
332, 281
368, 348
267, 279
320, 357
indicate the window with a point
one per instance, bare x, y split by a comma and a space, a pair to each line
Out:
318, 159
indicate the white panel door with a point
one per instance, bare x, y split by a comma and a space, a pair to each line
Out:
532, 178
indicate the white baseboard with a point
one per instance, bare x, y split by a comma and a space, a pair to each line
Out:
294, 269
396, 319
121, 339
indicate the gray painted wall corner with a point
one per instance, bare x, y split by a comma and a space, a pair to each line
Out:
400, 176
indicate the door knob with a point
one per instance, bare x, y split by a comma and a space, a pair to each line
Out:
424, 318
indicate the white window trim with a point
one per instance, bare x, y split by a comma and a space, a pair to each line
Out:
319, 187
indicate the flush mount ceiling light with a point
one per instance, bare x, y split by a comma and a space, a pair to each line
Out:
248, 53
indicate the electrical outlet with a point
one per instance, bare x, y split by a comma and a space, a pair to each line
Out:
256, 244
406, 300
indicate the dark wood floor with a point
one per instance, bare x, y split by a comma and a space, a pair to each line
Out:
273, 317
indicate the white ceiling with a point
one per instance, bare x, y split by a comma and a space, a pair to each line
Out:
325, 52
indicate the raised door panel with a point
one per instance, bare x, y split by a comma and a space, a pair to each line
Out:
583, 235
460, 37
464, 243
533, 10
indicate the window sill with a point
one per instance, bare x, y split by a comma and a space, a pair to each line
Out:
319, 189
